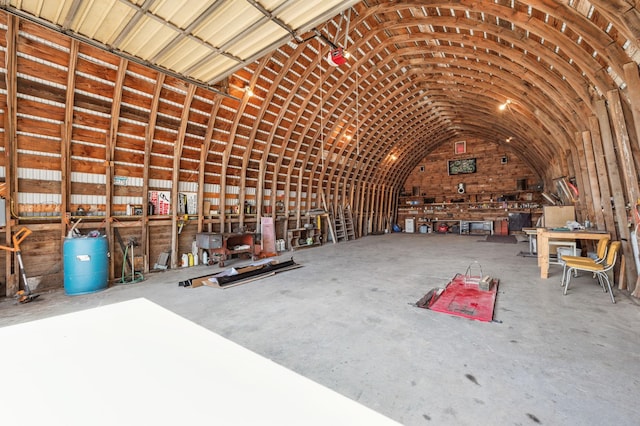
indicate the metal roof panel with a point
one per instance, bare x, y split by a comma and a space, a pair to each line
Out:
257, 39
210, 70
197, 39
180, 12
227, 22
147, 38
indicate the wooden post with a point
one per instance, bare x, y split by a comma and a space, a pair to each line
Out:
112, 137
148, 144
362, 208
175, 182
10, 146
65, 146
204, 153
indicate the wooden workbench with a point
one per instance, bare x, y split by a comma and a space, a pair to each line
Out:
544, 235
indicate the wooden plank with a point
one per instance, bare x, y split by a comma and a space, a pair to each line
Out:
603, 178
10, 125
633, 87
625, 155
633, 90
112, 137
39, 186
65, 146
177, 155
204, 153
576, 169
592, 179
149, 136
615, 182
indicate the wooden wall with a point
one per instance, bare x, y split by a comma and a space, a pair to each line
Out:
87, 131
491, 180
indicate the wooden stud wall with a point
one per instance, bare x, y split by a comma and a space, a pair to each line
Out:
491, 180
86, 131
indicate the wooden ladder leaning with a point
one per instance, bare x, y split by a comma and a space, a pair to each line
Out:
341, 229
348, 223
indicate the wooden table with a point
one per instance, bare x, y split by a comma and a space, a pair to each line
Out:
544, 235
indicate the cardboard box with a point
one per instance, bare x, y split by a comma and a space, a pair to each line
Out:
161, 201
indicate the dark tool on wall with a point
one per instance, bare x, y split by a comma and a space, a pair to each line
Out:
23, 296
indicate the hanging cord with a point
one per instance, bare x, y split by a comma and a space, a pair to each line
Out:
346, 32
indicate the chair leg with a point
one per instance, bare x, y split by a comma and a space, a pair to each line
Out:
606, 278
567, 281
564, 273
601, 283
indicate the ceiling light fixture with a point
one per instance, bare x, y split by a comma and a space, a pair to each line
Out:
248, 91
505, 105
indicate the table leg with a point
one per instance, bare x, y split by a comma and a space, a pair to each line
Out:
543, 254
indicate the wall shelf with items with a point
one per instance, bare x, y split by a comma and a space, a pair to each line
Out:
481, 212
303, 237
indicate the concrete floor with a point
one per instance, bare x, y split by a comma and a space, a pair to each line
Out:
346, 320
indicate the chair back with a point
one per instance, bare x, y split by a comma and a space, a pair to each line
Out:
614, 247
601, 248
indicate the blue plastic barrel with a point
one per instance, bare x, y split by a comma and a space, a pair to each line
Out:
86, 264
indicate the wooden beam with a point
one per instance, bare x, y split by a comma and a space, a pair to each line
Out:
204, 153
11, 178
148, 145
177, 156
65, 146
112, 137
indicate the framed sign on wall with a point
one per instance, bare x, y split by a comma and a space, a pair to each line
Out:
455, 167
460, 147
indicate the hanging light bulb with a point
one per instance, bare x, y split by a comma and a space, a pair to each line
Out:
504, 106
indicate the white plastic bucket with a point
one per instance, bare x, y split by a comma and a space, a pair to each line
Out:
567, 251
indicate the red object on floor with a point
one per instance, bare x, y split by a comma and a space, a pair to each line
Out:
462, 297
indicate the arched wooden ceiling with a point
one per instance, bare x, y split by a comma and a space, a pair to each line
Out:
422, 73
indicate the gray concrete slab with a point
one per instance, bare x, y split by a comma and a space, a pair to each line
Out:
346, 320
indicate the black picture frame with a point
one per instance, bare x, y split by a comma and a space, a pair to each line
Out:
456, 167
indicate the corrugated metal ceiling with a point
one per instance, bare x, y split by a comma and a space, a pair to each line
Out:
201, 40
